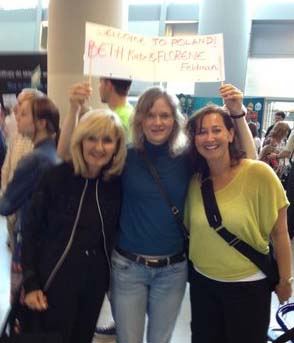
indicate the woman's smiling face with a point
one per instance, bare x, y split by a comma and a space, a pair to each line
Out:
212, 137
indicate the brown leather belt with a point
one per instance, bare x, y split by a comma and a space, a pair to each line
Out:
153, 262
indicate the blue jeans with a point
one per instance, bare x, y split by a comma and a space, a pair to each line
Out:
137, 290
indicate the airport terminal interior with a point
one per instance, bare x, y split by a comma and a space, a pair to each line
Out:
258, 59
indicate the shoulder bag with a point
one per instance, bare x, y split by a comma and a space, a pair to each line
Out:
266, 263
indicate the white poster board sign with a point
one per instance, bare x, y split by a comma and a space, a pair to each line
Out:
111, 52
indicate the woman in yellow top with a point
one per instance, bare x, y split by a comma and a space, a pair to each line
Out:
230, 296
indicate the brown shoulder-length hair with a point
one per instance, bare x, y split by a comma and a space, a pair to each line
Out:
44, 108
177, 140
99, 122
194, 126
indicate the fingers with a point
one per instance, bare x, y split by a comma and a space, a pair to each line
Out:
229, 91
79, 93
80, 90
36, 300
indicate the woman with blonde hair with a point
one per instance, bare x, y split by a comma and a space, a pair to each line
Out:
278, 135
71, 229
273, 145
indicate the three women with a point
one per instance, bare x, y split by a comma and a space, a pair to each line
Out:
149, 268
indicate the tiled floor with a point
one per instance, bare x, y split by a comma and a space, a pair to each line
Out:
182, 331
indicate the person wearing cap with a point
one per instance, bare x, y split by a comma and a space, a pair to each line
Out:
38, 119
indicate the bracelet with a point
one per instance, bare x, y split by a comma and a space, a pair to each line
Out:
237, 116
289, 281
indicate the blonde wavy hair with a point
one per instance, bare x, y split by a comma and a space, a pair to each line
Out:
279, 131
99, 122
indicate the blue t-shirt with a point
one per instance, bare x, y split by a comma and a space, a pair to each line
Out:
147, 226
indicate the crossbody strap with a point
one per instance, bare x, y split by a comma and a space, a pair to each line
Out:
174, 210
262, 261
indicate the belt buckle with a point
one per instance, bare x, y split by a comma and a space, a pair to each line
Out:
148, 262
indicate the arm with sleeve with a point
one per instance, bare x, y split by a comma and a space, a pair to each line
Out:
31, 235
20, 186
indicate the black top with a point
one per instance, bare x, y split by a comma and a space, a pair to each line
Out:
89, 229
51, 220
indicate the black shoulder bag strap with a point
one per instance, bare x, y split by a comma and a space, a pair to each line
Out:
174, 210
265, 263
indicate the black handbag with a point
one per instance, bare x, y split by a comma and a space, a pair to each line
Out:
27, 322
19, 316
266, 263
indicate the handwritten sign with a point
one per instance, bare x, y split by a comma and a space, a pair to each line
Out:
110, 52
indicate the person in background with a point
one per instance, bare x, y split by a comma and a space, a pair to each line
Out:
71, 229
229, 294
278, 135
268, 155
19, 145
114, 93
287, 152
273, 144
279, 116
3, 145
256, 139
37, 119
